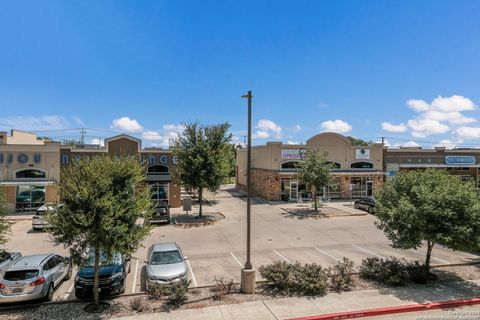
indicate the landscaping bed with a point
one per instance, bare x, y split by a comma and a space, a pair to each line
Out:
206, 296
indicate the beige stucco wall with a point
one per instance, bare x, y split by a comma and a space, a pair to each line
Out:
20, 137
338, 148
49, 160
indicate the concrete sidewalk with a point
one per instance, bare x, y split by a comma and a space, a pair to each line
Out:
285, 308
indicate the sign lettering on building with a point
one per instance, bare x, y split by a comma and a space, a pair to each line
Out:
293, 154
460, 160
362, 154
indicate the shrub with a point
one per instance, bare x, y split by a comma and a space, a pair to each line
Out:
417, 272
391, 271
175, 293
139, 304
340, 275
222, 287
308, 279
280, 273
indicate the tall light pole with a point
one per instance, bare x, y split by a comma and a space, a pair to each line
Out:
248, 272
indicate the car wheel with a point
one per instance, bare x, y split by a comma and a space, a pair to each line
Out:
356, 206
370, 210
78, 295
68, 275
49, 296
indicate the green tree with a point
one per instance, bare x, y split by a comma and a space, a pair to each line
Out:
430, 206
103, 199
4, 223
315, 172
204, 157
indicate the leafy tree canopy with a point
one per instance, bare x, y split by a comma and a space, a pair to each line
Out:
315, 171
102, 197
430, 206
204, 156
4, 223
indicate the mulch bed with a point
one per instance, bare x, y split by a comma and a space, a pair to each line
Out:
192, 220
199, 298
304, 212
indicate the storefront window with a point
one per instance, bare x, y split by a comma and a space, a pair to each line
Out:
361, 165
358, 187
158, 192
30, 174
289, 166
29, 197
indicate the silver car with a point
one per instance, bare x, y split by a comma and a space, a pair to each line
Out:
38, 220
6, 259
34, 277
165, 264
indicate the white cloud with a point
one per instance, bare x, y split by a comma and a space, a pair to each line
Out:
297, 128
260, 135
338, 126
32, 123
174, 127
425, 127
151, 135
387, 126
468, 133
126, 124
418, 105
433, 117
453, 103
97, 141
447, 143
410, 144
292, 142
267, 128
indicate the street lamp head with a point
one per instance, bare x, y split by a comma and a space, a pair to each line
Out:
248, 95
245, 96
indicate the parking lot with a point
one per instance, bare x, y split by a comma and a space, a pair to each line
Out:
219, 249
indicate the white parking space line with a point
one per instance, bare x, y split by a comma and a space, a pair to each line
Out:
327, 254
331, 256
134, 285
432, 257
69, 292
191, 272
282, 256
236, 259
369, 251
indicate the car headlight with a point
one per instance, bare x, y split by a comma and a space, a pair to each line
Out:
116, 276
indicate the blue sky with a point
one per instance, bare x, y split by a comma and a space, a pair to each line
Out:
407, 70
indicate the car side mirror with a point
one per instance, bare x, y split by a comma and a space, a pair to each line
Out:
185, 258
146, 261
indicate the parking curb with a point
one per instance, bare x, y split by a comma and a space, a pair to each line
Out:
392, 310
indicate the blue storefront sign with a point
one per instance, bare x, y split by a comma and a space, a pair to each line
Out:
460, 160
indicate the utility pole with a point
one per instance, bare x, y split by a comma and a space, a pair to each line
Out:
247, 282
82, 136
383, 141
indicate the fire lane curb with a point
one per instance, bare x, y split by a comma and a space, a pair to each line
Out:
392, 310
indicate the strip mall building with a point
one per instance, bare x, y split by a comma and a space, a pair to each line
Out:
358, 170
31, 168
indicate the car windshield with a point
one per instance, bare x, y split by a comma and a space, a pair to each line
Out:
166, 257
116, 259
4, 256
20, 275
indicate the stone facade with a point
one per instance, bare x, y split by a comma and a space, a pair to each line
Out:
266, 184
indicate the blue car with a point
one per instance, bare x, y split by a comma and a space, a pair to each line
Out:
112, 275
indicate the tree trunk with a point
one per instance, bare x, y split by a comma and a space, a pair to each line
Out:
429, 255
200, 199
315, 197
96, 298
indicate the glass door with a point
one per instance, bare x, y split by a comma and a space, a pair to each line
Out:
369, 188
293, 190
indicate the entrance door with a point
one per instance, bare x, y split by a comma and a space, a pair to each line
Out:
369, 188
293, 190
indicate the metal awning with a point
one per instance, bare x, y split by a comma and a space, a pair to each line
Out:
158, 178
27, 183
